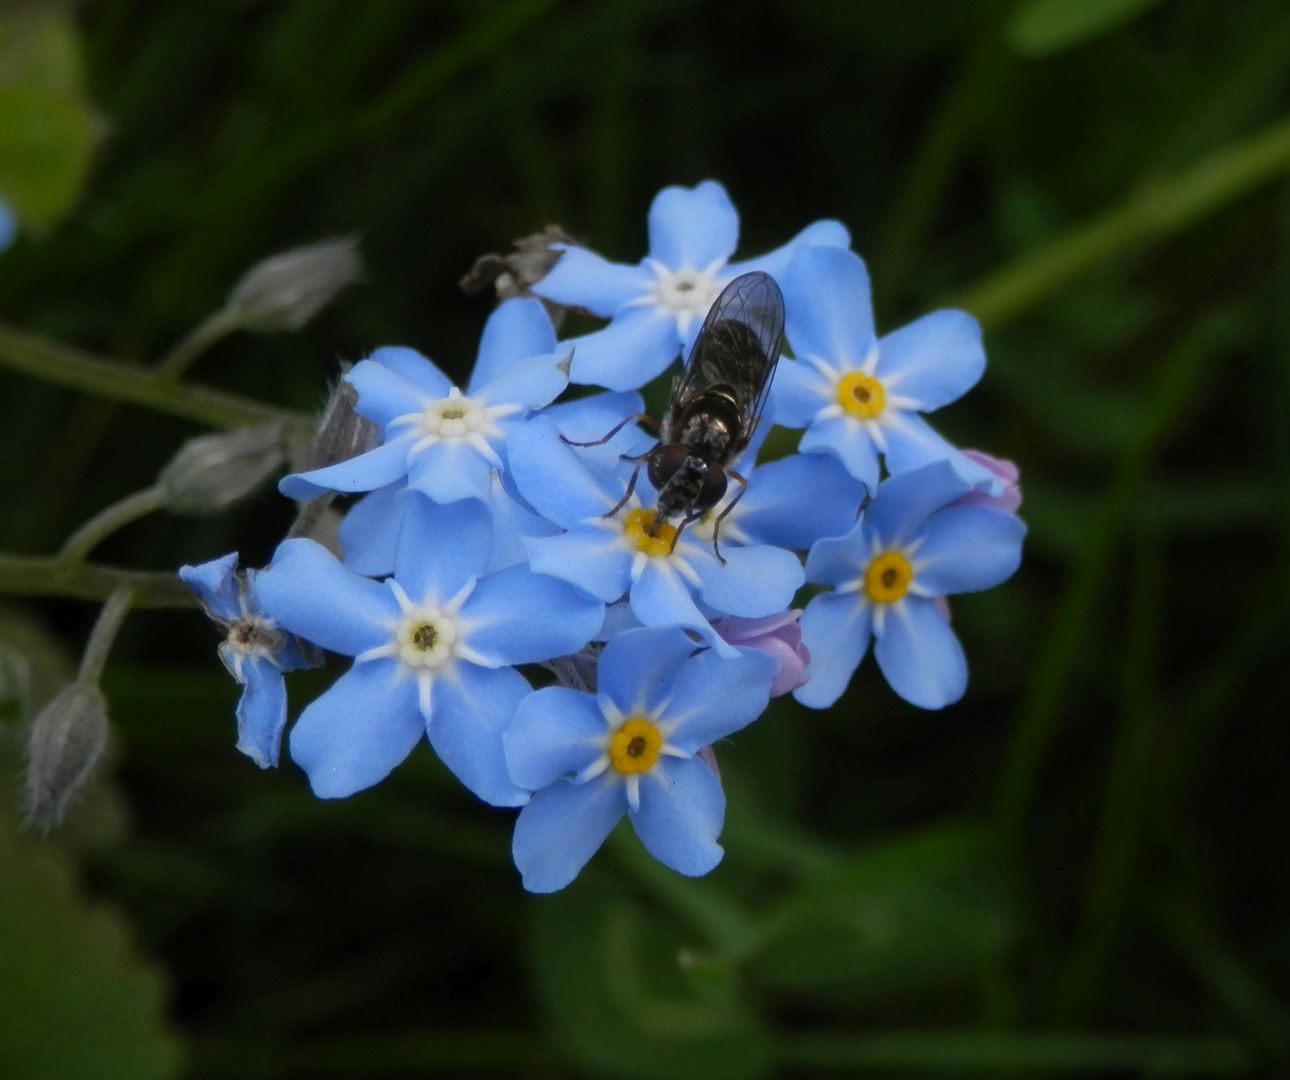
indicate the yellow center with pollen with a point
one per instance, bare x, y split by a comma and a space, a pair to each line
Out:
888, 577
635, 746
861, 395
648, 537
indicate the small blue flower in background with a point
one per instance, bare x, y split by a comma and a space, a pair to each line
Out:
445, 442
631, 749
859, 396
910, 548
432, 646
612, 556
658, 306
256, 652
8, 225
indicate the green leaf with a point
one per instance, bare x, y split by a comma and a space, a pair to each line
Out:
1044, 27
78, 1001
914, 913
47, 129
610, 977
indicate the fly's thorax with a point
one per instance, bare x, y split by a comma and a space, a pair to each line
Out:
711, 426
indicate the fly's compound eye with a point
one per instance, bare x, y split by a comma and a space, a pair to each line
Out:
714, 487
663, 463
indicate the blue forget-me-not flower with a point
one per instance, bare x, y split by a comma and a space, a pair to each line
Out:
631, 749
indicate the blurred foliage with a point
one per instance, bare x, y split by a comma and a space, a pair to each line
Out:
1075, 869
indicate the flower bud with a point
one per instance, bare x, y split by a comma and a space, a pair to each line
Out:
285, 291
212, 472
342, 433
67, 738
1010, 500
779, 636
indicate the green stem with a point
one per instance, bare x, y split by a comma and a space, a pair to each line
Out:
104, 634
116, 380
206, 334
107, 521
1160, 208
1055, 659
24, 575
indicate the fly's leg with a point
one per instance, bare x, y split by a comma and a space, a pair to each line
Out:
716, 525
615, 430
631, 484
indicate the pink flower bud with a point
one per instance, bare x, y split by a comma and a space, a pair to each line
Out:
779, 636
1006, 471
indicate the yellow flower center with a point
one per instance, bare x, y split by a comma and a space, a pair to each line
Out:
635, 746
888, 577
861, 395
648, 537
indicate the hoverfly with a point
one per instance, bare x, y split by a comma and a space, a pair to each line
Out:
715, 406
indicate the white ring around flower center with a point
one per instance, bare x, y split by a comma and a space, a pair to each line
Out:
686, 291
426, 638
454, 418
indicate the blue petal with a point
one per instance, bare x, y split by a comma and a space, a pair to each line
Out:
533, 382
215, 585
310, 593
836, 630
518, 329
713, 697
553, 477
370, 529
934, 360
693, 227
367, 472
682, 808
592, 418
512, 522
519, 617
582, 279
793, 502
627, 353
587, 557
637, 668
8, 225
848, 441
415, 368
911, 444
755, 581
384, 395
359, 730
661, 597
966, 549
556, 732
261, 712
824, 233
798, 393
469, 711
827, 307
450, 471
919, 655
562, 827
836, 560
441, 547
904, 502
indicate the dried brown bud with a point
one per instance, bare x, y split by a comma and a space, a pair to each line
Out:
285, 291
212, 472
512, 275
67, 739
342, 433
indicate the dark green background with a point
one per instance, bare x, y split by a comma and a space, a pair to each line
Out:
1078, 866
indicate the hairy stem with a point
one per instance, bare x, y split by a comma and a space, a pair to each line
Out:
110, 520
201, 338
25, 575
130, 384
104, 634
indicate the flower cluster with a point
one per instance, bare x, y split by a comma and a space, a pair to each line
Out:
510, 523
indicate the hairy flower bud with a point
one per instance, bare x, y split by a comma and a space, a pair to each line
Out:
212, 472
67, 739
285, 291
342, 433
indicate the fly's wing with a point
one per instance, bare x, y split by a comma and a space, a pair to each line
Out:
737, 347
